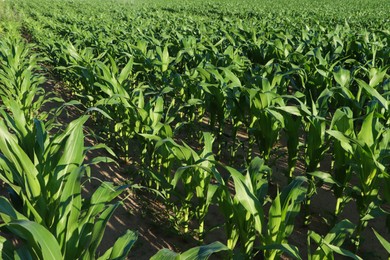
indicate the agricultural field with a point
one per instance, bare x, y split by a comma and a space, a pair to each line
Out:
193, 129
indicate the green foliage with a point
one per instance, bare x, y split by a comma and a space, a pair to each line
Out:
44, 174
180, 89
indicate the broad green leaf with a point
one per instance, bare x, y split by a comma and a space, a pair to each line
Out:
99, 228
43, 242
203, 252
126, 71
10, 148
366, 133
325, 177
8, 212
383, 241
342, 251
373, 92
377, 75
196, 253
165, 254
246, 196
342, 76
344, 141
275, 218
123, 245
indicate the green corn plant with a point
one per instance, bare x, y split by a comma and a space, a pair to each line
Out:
113, 81
315, 147
367, 92
213, 86
367, 150
180, 172
46, 188
320, 72
165, 154
198, 176
342, 93
153, 124
332, 242
292, 122
244, 213
265, 123
77, 65
342, 121
284, 208
316, 144
237, 226
236, 112
264, 95
143, 56
116, 100
163, 57
38, 243
20, 89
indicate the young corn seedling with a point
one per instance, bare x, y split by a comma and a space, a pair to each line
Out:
118, 103
213, 86
332, 242
20, 89
243, 212
342, 122
292, 121
78, 66
46, 188
316, 146
245, 222
265, 122
182, 171
198, 176
153, 125
284, 208
367, 150
37, 242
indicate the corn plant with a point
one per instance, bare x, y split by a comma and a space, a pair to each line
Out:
46, 188
20, 89
366, 151
244, 213
182, 171
80, 64
38, 242
115, 100
342, 121
265, 123
316, 146
332, 242
198, 177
